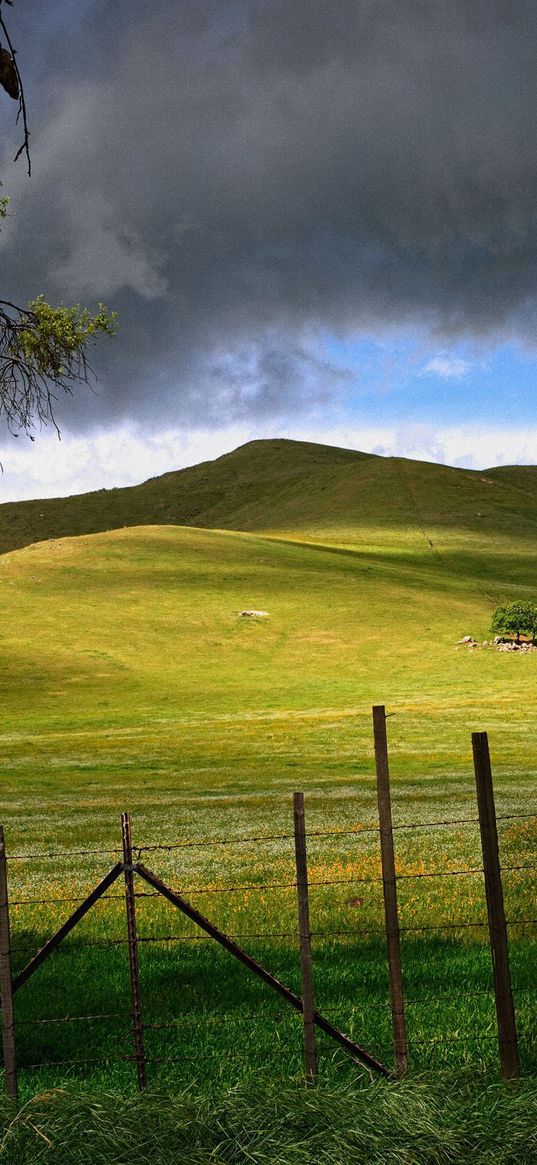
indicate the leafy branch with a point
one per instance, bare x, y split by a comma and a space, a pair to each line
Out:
43, 352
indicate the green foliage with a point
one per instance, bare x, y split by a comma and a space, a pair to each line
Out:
44, 348
519, 618
52, 336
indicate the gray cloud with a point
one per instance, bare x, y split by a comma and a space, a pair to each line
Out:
238, 177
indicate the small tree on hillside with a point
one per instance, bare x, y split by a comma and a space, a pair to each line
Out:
516, 619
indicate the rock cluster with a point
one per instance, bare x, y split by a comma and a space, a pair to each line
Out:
509, 645
499, 644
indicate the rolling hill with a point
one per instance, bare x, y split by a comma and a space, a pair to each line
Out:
127, 667
300, 490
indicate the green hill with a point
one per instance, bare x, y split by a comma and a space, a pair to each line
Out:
124, 654
307, 491
211, 494
129, 675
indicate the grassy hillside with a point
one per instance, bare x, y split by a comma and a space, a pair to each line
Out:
205, 495
371, 570
130, 680
126, 661
308, 491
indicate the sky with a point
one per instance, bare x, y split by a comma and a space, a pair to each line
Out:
316, 219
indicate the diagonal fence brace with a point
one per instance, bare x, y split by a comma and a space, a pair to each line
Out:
349, 1045
67, 926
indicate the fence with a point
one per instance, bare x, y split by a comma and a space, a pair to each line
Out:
141, 882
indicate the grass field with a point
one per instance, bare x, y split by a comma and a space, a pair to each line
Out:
130, 681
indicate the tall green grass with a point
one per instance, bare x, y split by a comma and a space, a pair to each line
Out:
417, 1124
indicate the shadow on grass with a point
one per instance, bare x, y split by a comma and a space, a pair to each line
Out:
207, 1018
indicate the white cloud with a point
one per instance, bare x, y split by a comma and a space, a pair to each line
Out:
448, 367
127, 455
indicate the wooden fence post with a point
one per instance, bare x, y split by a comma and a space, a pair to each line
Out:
130, 903
499, 943
306, 964
6, 981
389, 887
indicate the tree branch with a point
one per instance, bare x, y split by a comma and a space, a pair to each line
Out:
21, 113
42, 348
43, 353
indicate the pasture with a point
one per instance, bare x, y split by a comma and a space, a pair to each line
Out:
130, 681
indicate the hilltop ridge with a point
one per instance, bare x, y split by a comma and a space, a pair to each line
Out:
292, 487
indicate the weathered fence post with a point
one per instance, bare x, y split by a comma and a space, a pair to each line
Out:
499, 943
306, 964
6, 981
389, 887
130, 903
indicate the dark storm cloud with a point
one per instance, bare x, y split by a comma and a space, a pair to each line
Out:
239, 179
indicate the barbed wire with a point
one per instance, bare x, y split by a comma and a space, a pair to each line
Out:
193, 844
127, 1058
215, 841
196, 843
353, 933
82, 898
467, 1038
459, 873
254, 1017
461, 821
173, 938
465, 872
419, 1043
86, 1060
260, 1016
435, 824
351, 832
259, 886
513, 816
349, 933
76, 1018
61, 853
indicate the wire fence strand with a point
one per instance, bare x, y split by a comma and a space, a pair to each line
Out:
259, 838
351, 933
258, 1016
262, 886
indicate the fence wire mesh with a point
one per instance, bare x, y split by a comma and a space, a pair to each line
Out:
187, 999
